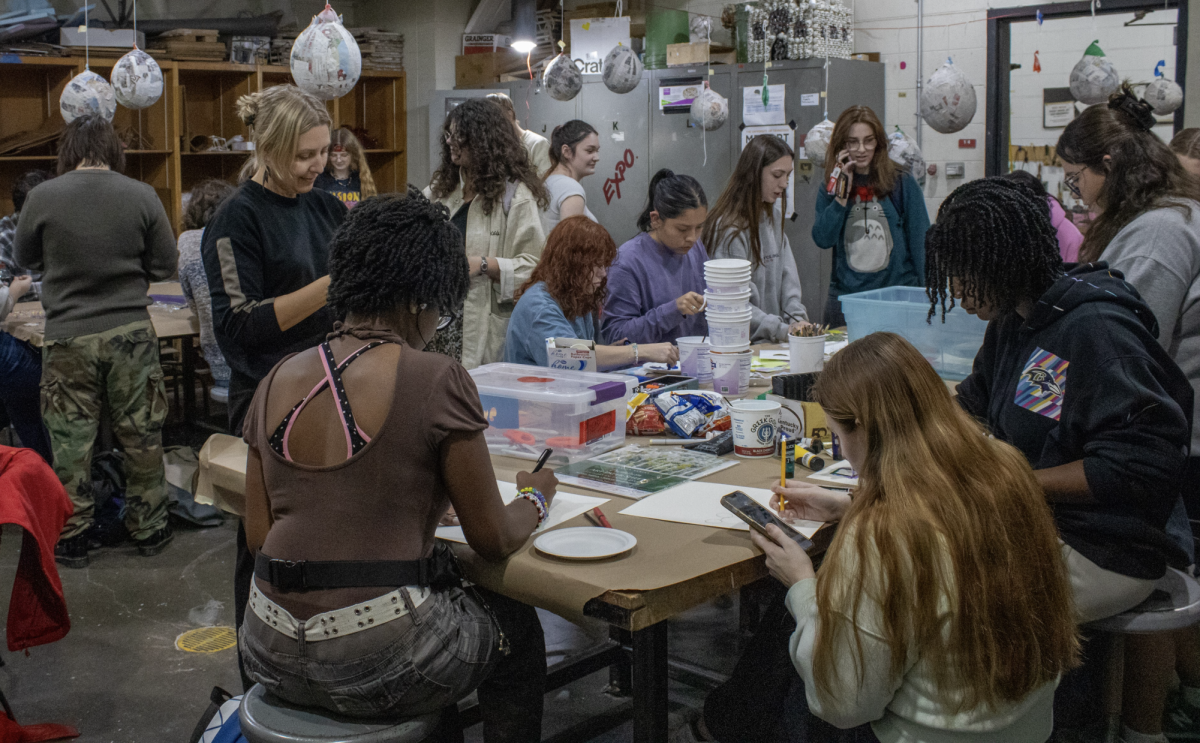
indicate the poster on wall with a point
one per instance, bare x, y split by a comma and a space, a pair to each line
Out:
788, 136
675, 95
755, 113
1058, 108
593, 38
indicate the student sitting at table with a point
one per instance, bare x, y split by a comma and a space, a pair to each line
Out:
656, 287
357, 448
747, 223
942, 610
559, 299
206, 197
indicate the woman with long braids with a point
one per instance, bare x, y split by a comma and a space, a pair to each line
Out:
357, 447
486, 181
574, 152
747, 223
1071, 374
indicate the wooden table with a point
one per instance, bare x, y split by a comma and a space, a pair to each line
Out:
171, 319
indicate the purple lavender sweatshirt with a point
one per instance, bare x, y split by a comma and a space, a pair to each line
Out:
643, 284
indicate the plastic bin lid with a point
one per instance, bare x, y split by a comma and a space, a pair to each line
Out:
542, 384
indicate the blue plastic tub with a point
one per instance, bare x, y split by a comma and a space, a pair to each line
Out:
949, 347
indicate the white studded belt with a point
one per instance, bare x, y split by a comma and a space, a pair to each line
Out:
337, 623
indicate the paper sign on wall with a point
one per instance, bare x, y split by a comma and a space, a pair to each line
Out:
593, 38
789, 138
810, 99
754, 113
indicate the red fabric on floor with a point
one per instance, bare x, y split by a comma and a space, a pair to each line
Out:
11, 732
32, 497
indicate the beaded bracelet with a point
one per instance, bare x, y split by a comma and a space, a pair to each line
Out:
534, 496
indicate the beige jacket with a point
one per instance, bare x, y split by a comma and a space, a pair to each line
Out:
512, 237
538, 148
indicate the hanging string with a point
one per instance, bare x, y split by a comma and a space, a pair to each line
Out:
87, 52
135, 46
827, 83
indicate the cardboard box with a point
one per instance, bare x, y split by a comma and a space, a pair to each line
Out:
866, 56
119, 37
482, 70
685, 55
798, 418
574, 354
484, 43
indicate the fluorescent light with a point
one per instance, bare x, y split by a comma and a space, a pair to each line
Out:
523, 46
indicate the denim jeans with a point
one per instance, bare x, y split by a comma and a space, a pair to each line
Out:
20, 392
416, 664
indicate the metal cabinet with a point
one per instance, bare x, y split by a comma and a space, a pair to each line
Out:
536, 110
616, 194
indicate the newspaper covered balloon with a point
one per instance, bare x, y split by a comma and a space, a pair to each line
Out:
87, 93
710, 110
622, 70
1094, 79
137, 80
1164, 96
562, 79
816, 142
903, 151
948, 99
326, 60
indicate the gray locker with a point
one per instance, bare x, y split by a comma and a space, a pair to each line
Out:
536, 110
616, 193
676, 142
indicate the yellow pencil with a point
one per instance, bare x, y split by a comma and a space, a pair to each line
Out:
783, 445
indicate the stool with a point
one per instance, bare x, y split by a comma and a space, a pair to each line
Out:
267, 719
1175, 604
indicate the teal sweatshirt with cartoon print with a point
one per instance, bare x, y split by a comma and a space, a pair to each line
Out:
875, 244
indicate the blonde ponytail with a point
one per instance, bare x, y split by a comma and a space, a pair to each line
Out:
277, 117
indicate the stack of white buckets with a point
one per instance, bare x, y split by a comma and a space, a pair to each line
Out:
727, 309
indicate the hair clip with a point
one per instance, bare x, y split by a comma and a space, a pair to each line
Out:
1141, 112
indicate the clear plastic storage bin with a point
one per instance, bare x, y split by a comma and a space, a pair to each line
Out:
950, 347
577, 414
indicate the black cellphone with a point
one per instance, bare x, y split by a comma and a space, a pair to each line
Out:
754, 514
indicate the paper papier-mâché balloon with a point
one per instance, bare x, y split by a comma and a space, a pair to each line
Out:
948, 100
622, 70
137, 80
903, 150
87, 93
326, 60
816, 142
562, 79
1094, 79
1164, 96
710, 110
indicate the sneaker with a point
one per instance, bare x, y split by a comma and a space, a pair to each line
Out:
73, 552
1181, 721
156, 542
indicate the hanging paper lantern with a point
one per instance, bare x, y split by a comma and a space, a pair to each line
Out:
948, 99
562, 79
87, 93
622, 70
1094, 79
903, 151
710, 110
1164, 96
326, 60
816, 142
137, 80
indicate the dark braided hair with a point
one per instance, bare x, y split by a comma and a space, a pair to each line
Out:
394, 250
995, 237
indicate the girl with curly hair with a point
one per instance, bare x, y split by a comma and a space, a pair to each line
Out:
347, 176
489, 186
566, 288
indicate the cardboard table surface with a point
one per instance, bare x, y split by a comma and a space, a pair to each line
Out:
27, 322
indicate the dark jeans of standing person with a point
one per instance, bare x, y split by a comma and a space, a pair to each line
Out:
833, 311
20, 392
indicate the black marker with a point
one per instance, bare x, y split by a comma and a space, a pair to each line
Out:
542, 460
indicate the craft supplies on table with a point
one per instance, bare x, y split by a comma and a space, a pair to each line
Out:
564, 507
578, 414
838, 473
636, 472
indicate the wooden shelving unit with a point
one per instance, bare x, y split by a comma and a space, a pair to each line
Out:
198, 99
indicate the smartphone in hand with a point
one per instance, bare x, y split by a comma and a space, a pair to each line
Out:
754, 514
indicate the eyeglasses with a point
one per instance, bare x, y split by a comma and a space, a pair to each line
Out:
444, 321
866, 144
1072, 183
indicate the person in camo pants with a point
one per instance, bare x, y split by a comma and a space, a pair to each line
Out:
100, 239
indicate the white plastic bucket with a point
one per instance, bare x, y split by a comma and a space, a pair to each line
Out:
731, 372
755, 428
732, 302
726, 264
807, 354
730, 288
728, 332
693, 357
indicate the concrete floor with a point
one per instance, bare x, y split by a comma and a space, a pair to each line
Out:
119, 678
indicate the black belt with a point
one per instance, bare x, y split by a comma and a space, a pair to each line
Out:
438, 570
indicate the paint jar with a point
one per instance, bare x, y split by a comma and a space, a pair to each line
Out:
729, 329
807, 354
731, 372
694, 360
727, 303
755, 426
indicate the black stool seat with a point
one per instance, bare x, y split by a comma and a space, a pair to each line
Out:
267, 719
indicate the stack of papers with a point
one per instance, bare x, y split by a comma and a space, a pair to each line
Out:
564, 507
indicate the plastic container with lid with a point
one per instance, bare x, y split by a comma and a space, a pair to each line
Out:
577, 414
949, 347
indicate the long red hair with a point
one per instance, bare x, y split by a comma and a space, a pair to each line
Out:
575, 248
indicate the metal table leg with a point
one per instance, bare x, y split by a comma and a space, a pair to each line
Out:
650, 684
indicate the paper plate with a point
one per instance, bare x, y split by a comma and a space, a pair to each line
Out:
585, 543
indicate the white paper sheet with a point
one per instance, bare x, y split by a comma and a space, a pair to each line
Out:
700, 503
775, 355
564, 507
837, 473
754, 113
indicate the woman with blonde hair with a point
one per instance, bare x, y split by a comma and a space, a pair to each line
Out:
266, 256
942, 610
347, 176
876, 224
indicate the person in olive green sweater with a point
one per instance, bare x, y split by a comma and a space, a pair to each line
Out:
99, 239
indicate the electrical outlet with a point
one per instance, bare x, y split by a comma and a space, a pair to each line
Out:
956, 170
